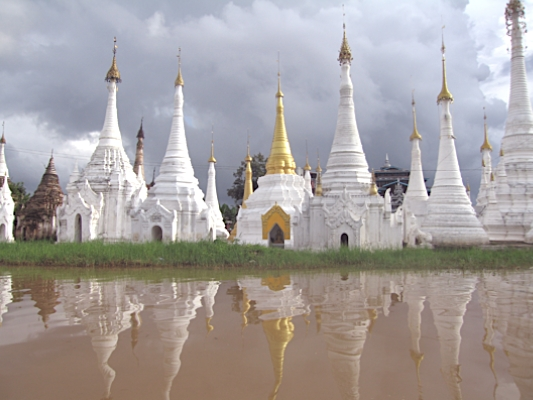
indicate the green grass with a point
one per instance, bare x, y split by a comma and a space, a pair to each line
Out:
220, 256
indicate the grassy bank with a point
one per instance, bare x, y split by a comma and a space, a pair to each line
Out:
222, 256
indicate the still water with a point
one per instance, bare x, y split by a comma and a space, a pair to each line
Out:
362, 335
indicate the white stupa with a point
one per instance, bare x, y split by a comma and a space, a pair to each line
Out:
99, 199
514, 172
347, 166
174, 209
451, 219
211, 198
7, 205
346, 209
273, 210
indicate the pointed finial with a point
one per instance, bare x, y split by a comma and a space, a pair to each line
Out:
373, 187
140, 134
3, 139
279, 93
345, 53
415, 134
307, 166
248, 158
318, 187
113, 75
515, 6
212, 158
486, 144
179, 79
444, 93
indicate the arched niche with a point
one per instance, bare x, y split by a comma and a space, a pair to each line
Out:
344, 240
157, 233
276, 216
276, 237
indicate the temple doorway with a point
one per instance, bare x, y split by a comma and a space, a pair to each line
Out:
276, 237
344, 240
2, 233
157, 233
77, 229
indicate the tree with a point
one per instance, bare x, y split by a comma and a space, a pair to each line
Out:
236, 192
19, 194
229, 214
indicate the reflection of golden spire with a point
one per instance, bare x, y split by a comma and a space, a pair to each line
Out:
444, 93
318, 187
373, 315
486, 144
415, 134
417, 358
373, 186
276, 283
279, 333
208, 325
280, 160
113, 74
318, 317
179, 79
212, 158
248, 183
136, 322
245, 309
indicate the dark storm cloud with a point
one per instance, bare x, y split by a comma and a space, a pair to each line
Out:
54, 56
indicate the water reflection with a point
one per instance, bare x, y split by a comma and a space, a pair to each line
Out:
450, 330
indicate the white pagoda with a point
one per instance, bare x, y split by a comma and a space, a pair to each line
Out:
175, 209
7, 205
100, 197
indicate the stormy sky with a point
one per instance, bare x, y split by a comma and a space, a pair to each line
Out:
54, 55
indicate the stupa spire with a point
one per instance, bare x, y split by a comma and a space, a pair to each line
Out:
110, 135
176, 165
179, 78
4, 172
486, 144
444, 93
347, 165
451, 219
248, 184
417, 187
113, 75
307, 171
211, 197
280, 160
138, 166
318, 188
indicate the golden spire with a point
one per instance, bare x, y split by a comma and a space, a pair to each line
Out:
444, 93
345, 53
373, 186
486, 144
492, 176
318, 187
3, 139
248, 184
415, 134
113, 74
179, 79
501, 152
212, 158
307, 166
280, 160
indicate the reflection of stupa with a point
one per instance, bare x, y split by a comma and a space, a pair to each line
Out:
278, 300
174, 307
5, 294
209, 293
448, 296
415, 297
45, 294
104, 309
514, 310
